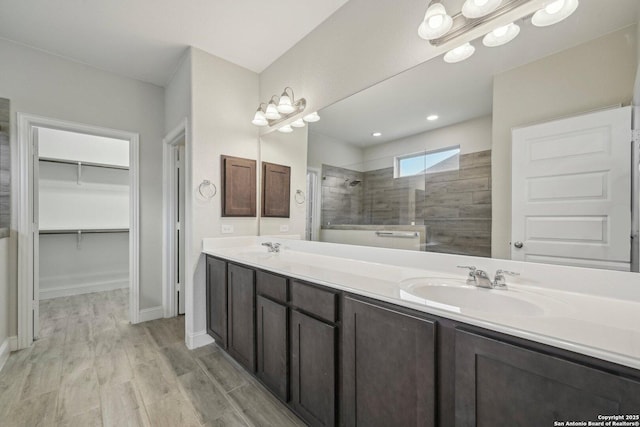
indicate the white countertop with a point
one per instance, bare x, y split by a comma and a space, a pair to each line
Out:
594, 325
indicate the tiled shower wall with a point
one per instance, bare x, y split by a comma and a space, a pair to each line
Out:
455, 205
5, 162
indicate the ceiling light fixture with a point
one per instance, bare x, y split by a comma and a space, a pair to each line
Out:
459, 54
376, 134
554, 12
478, 8
279, 109
436, 22
501, 35
440, 28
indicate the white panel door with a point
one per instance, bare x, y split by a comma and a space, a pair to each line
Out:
571, 191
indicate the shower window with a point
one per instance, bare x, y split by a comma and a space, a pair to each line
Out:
442, 160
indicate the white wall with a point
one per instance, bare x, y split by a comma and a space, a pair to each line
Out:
593, 75
5, 299
472, 136
60, 144
326, 150
177, 95
50, 86
224, 98
288, 150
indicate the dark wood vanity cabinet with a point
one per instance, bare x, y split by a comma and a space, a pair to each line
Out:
497, 383
388, 367
272, 331
216, 290
241, 341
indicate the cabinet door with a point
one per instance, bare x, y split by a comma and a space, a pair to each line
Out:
272, 346
502, 384
238, 186
217, 300
313, 369
242, 316
276, 183
388, 370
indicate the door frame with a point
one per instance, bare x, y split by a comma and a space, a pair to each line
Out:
316, 201
25, 126
169, 194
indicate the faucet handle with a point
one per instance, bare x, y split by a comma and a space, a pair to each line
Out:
500, 272
499, 282
472, 268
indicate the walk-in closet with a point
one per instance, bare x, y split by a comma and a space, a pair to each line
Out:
82, 215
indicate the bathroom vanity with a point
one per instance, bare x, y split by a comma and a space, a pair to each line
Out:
353, 342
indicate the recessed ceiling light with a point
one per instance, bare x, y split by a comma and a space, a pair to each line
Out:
432, 117
376, 134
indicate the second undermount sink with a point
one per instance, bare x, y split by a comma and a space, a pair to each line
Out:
455, 295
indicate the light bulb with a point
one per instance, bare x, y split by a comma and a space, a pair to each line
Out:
460, 53
284, 105
436, 22
432, 117
478, 8
554, 12
501, 35
310, 118
285, 129
298, 123
376, 134
259, 119
272, 112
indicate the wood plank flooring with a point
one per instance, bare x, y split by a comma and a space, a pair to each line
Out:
92, 368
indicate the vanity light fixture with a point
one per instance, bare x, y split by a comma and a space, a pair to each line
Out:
298, 123
285, 129
432, 117
440, 28
479, 8
311, 118
459, 54
554, 12
436, 22
376, 134
501, 35
279, 109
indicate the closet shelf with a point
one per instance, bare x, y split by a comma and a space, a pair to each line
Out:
85, 231
77, 162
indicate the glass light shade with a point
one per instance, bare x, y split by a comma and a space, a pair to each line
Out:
460, 53
284, 105
298, 123
479, 8
272, 112
285, 129
554, 12
436, 22
310, 118
259, 119
501, 35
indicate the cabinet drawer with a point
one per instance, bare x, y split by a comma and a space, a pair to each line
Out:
315, 301
272, 286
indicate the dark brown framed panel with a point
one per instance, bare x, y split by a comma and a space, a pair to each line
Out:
276, 190
238, 186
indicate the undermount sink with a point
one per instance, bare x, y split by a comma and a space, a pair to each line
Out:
455, 295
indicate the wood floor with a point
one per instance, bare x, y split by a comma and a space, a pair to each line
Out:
92, 368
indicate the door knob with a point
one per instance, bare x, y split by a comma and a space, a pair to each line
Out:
518, 244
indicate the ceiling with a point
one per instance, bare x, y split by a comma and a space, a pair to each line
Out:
144, 39
398, 107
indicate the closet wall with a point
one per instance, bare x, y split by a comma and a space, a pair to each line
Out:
83, 211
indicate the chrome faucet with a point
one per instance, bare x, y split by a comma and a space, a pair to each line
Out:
273, 247
480, 278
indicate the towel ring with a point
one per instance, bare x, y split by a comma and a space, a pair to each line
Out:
299, 197
207, 189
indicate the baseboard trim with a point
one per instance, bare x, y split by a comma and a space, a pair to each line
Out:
68, 291
198, 339
8, 345
152, 313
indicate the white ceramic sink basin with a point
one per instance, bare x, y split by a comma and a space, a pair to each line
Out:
456, 295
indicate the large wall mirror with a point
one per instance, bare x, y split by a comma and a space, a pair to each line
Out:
423, 161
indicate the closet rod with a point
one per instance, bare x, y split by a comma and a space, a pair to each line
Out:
72, 162
87, 231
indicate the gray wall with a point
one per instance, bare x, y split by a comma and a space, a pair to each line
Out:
454, 205
5, 165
